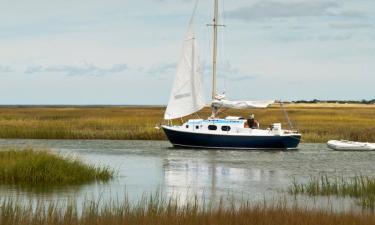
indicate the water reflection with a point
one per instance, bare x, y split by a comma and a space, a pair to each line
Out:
214, 176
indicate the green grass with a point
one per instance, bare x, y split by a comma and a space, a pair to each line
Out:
157, 211
31, 167
360, 187
317, 122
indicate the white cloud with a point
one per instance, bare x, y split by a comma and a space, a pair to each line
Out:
276, 9
86, 69
5, 69
162, 69
350, 26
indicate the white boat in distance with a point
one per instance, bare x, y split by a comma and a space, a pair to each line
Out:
187, 98
345, 145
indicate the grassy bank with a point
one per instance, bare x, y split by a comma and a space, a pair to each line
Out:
360, 187
81, 123
317, 122
29, 167
153, 211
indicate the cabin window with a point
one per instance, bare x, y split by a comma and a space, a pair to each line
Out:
225, 128
197, 127
212, 127
187, 126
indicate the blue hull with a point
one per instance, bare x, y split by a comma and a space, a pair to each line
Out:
199, 140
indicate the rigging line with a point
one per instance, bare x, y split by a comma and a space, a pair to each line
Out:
221, 54
224, 47
197, 115
224, 112
195, 9
286, 115
206, 54
206, 71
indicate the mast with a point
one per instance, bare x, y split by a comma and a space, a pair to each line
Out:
214, 54
215, 26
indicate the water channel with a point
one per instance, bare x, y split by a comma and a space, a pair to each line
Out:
144, 167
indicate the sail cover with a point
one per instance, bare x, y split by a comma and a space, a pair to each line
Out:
241, 104
187, 95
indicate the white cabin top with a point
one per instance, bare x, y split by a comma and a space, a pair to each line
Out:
224, 125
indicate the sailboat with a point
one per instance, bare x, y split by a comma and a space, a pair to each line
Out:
187, 98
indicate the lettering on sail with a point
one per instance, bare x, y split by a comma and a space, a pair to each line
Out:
185, 95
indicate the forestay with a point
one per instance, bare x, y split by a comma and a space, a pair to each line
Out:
187, 95
241, 104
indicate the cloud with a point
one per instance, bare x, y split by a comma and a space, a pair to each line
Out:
342, 37
246, 77
84, 70
224, 70
273, 9
351, 13
349, 26
34, 69
227, 71
162, 68
319, 37
5, 69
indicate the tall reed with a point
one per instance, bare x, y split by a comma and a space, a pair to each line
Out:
360, 187
31, 167
156, 210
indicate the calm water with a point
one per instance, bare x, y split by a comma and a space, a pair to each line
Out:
151, 166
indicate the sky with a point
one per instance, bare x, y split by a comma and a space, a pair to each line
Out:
125, 51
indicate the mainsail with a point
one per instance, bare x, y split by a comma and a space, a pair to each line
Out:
187, 96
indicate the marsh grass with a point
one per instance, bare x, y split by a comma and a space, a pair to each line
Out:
157, 210
360, 187
317, 122
81, 123
31, 167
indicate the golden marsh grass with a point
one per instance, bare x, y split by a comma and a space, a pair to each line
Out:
154, 211
317, 122
30, 167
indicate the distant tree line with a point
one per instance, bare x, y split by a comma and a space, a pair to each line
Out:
363, 101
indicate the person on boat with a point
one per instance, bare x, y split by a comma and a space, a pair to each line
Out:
252, 123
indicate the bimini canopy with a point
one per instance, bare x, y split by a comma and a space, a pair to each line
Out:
242, 104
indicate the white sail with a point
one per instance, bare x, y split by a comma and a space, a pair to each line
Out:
241, 104
187, 95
